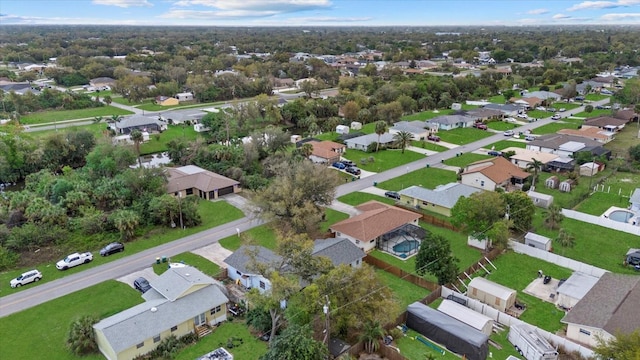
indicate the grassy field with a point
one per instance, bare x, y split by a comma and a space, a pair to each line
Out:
357, 198
189, 258
49, 322
98, 130
251, 347
503, 144
429, 145
501, 125
553, 127
614, 191
383, 159
213, 214
625, 139
332, 217
405, 292
60, 115
466, 159
426, 177
262, 235
497, 99
461, 136
594, 113
596, 97
539, 114
158, 142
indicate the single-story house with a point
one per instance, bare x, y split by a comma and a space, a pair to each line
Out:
524, 157
102, 82
540, 199
449, 122
166, 101
626, 114
182, 116
286, 82
140, 122
193, 180
593, 133
606, 123
537, 241
182, 300
590, 168
635, 200
185, 96
565, 145
544, 95
505, 109
529, 102
483, 114
339, 251
415, 128
19, 88
609, 308
326, 152
363, 142
492, 173
439, 200
495, 295
573, 289
377, 219
588, 84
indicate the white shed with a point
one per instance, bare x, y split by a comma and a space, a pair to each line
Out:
495, 295
342, 129
552, 182
184, 96
537, 241
589, 169
567, 185
295, 138
470, 317
540, 199
355, 125
574, 288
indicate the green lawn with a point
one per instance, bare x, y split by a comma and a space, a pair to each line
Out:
262, 235
429, 145
503, 144
617, 190
205, 265
357, 198
426, 177
251, 347
405, 292
501, 125
49, 322
152, 106
426, 115
461, 136
497, 99
98, 130
539, 114
60, 115
596, 97
594, 113
332, 217
625, 139
553, 127
516, 271
466, 159
158, 142
383, 159
212, 213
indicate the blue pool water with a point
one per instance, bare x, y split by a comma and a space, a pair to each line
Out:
621, 216
406, 246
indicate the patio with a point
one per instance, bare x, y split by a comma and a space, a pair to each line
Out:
402, 242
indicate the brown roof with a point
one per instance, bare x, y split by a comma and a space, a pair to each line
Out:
586, 132
376, 220
190, 176
612, 304
326, 149
498, 169
625, 114
601, 121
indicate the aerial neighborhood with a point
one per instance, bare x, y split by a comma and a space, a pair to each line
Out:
213, 192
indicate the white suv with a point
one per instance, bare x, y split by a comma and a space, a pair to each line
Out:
25, 278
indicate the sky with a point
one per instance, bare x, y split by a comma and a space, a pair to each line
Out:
319, 12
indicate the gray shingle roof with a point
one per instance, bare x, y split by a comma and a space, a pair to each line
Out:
451, 119
137, 120
240, 258
368, 139
503, 108
338, 250
414, 127
554, 141
445, 195
172, 284
612, 304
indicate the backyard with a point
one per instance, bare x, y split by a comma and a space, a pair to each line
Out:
158, 142
250, 348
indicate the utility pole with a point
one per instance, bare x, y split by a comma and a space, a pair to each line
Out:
325, 310
180, 205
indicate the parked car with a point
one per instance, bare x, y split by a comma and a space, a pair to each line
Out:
339, 165
556, 116
562, 110
494, 153
552, 109
348, 163
114, 247
74, 259
579, 98
480, 126
529, 137
541, 108
599, 107
141, 284
392, 194
27, 277
522, 116
353, 170
435, 138
508, 133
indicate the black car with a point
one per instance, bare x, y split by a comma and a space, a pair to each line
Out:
353, 170
392, 194
348, 163
141, 284
494, 153
114, 247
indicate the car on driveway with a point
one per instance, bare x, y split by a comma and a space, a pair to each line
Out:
114, 247
562, 110
141, 284
26, 278
339, 165
435, 138
529, 137
353, 170
480, 126
392, 194
348, 163
522, 116
494, 153
556, 117
508, 133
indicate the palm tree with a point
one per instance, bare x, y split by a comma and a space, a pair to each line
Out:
306, 150
535, 166
115, 118
371, 334
107, 100
80, 338
97, 119
553, 217
402, 139
565, 239
137, 138
381, 128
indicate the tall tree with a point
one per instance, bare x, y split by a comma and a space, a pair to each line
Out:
435, 257
402, 139
381, 128
535, 166
521, 209
81, 338
621, 347
553, 216
296, 343
371, 334
477, 213
137, 138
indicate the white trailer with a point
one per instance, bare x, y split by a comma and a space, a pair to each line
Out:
530, 344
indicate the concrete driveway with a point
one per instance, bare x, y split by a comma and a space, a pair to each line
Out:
146, 273
214, 253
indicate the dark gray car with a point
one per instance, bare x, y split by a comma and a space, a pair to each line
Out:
141, 284
114, 247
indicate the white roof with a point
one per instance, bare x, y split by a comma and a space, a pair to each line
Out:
538, 195
577, 285
464, 314
571, 146
492, 288
539, 238
590, 165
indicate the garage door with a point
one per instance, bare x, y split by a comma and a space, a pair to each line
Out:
225, 191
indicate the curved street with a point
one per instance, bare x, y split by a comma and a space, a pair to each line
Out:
112, 270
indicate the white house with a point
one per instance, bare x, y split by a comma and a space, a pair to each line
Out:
574, 289
184, 96
635, 201
363, 142
493, 173
415, 128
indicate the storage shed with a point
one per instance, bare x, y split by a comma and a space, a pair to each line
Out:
589, 169
574, 288
567, 185
470, 317
455, 335
540, 199
355, 125
552, 182
495, 295
342, 129
537, 241
295, 138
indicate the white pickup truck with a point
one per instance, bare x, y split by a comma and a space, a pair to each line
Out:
74, 259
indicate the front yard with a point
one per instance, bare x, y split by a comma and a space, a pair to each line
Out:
503, 144
61, 115
466, 159
357, 198
426, 177
382, 160
461, 136
554, 127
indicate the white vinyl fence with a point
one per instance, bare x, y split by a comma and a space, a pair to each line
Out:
604, 222
508, 320
556, 259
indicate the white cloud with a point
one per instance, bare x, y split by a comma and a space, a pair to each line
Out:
617, 17
258, 5
37, 20
212, 15
537, 11
588, 5
123, 3
328, 19
561, 17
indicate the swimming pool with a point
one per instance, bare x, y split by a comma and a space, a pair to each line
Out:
621, 216
406, 246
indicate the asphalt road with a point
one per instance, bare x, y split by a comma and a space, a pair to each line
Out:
112, 270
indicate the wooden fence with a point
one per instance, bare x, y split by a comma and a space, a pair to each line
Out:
414, 279
433, 220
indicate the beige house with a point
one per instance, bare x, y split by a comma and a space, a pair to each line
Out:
166, 101
183, 300
493, 173
193, 180
326, 152
439, 200
524, 157
495, 295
